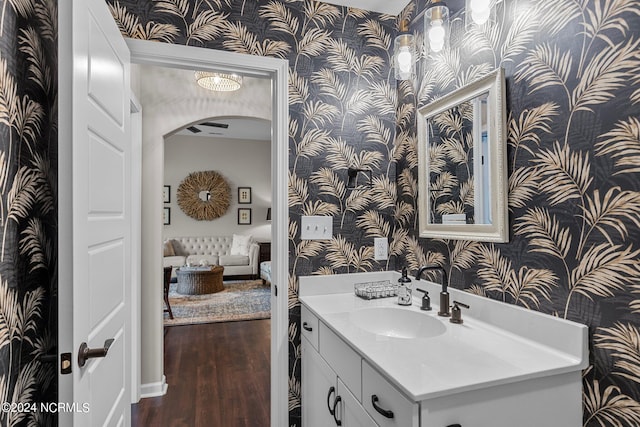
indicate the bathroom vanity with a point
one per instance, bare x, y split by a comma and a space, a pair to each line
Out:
375, 363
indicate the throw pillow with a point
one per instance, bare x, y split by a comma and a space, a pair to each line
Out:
240, 245
168, 249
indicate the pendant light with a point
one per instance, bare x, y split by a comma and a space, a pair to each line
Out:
404, 53
436, 26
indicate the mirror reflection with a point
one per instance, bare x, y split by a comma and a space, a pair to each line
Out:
204, 195
458, 164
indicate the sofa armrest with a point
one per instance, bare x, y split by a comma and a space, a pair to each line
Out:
174, 261
254, 257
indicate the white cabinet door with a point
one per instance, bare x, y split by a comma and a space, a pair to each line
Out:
95, 234
319, 388
350, 412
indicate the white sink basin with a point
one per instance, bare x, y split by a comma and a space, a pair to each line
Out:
397, 322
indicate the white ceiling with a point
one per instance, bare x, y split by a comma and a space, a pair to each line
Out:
179, 86
392, 7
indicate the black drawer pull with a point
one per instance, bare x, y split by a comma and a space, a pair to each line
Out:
454, 425
331, 391
306, 327
383, 412
335, 406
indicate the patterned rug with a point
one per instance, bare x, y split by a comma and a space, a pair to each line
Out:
240, 300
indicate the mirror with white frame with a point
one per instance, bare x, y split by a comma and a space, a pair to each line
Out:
462, 166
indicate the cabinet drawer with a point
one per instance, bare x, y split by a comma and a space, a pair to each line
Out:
405, 412
309, 326
342, 358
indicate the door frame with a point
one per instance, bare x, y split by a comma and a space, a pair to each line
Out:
136, 251
187, 57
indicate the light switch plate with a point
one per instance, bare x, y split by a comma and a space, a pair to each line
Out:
380, 248
316, 228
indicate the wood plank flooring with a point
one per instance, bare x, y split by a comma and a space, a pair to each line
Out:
218, 375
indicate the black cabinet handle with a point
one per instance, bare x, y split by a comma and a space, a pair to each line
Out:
454, 425
306, 327
331, 391
383, 412
335, 405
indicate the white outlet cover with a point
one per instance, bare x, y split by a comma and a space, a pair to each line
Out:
380, 248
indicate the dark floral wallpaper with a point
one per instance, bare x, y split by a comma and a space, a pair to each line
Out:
573, 101
28, 209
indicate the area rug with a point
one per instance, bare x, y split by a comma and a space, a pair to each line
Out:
240, 300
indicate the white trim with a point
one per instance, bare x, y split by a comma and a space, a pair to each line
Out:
178, 56
154, 389
136, 250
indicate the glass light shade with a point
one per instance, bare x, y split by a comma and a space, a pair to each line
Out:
219, 82
404, 56
480, 12
436, 27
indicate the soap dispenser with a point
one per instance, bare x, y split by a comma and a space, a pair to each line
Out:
404, 288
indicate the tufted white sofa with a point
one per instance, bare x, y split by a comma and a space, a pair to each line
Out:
215, 250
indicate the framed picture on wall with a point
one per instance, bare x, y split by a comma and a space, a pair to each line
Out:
166, 194
244, 216
244, 195
166, 216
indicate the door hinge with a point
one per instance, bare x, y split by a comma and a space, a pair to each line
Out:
65, 363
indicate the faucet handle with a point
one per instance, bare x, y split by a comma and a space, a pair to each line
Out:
456, 313
426, 300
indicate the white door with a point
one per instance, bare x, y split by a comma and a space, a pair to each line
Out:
95, 217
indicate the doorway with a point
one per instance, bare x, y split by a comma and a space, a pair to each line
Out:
236, 151
150, 349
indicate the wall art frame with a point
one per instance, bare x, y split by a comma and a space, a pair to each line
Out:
166, 216
244, 216
244, 195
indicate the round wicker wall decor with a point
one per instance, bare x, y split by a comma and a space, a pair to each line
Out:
191, 197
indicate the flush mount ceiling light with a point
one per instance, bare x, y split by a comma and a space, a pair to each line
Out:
219, 82
436, 26
404, 52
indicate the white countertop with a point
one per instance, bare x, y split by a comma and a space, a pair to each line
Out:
474, 355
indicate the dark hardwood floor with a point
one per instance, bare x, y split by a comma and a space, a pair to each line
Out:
218, 375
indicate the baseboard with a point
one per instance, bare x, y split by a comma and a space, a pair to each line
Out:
154, 389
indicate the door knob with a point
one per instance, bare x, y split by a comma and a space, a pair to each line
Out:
84, 352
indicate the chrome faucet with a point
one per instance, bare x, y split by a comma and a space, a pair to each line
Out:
444, 295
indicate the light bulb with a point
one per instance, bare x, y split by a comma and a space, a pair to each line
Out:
404, 60
403, 57
436, 36
216, 79
480, 11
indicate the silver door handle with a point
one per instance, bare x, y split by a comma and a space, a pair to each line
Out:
84, 352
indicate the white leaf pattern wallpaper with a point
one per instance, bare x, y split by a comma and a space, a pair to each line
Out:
28, 210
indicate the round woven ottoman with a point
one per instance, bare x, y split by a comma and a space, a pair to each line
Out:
200, 280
